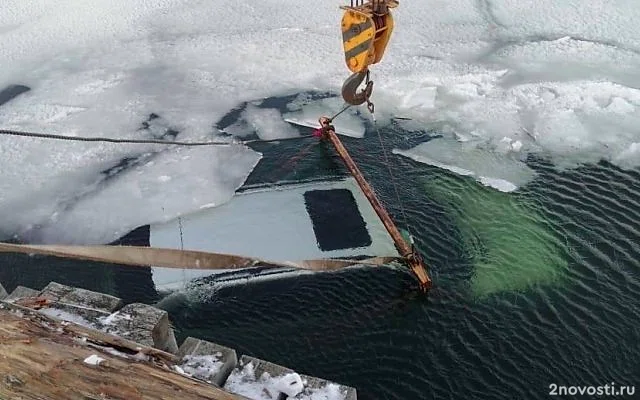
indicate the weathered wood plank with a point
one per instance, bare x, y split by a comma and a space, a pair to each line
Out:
42, 361
28, 304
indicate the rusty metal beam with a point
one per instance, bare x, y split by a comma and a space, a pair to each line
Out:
413, 260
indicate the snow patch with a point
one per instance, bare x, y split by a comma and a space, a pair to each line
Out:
66, 316
331, 391
179, 370
245, 383
204, 367
424, 97
114, 317
93, 360
137, 357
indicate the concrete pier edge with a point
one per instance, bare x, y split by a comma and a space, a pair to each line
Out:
215, 364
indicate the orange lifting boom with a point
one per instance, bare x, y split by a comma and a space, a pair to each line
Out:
406, 250
366, 30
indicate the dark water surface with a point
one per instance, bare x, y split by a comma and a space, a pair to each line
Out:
531, 288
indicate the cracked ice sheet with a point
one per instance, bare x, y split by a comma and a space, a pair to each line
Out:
159, 190
267, 123
605, 20
100, 68
562, 86
500, 171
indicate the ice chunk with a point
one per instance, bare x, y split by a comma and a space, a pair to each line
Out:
136, 197
500, 171
347, 123
630, 156
289, 384
268, 123
496, 183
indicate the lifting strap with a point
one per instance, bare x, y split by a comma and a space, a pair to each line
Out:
179, 259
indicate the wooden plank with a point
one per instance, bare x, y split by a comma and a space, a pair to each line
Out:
42, 361
139, 256
28, 304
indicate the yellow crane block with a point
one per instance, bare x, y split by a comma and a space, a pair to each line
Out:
366, 30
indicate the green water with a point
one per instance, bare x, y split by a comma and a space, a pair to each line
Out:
507, 237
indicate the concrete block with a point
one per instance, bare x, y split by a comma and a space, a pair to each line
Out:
143, 324
313, 387
171, 345
254, 377
21, 292
3, 292
90, 299
206, 360
54, 291
76, 305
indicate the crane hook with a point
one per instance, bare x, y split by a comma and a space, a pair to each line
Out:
350, 92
